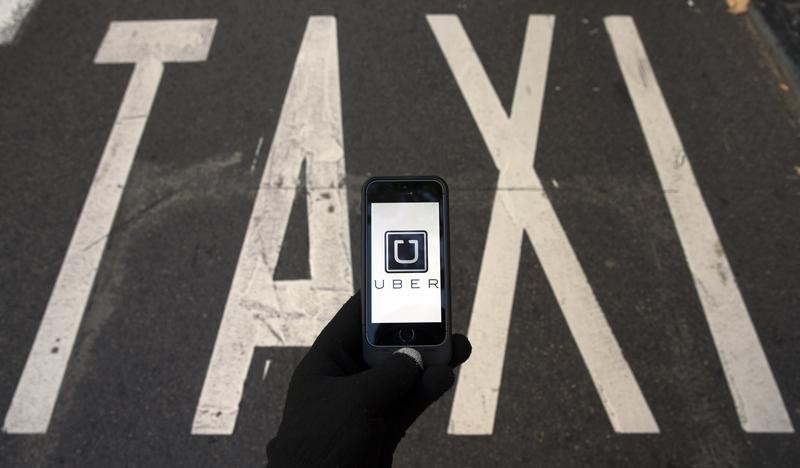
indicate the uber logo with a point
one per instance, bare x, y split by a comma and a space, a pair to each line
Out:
406, 251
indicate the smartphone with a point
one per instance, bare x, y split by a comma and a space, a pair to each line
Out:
406, 268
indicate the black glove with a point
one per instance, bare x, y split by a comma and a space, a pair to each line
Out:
341, 413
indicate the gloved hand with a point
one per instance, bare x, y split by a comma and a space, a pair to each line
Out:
339, 412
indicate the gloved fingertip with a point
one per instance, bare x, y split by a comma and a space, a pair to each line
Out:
413, 354
462, 349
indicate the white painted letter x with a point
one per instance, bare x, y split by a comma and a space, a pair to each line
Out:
521, 205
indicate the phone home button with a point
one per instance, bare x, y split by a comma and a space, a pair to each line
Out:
406, 335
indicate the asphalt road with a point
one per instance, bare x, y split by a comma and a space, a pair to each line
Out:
137, 368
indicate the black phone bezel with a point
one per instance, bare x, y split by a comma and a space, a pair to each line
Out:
406, 189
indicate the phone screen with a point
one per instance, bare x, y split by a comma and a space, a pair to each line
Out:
406, 278
405, 264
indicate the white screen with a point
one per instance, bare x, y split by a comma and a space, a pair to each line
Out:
405, 285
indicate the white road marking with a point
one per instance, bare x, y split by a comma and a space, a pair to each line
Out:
12, 14
266, 369
755, 393
521, 205
261, 311
256, 153
147, 44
